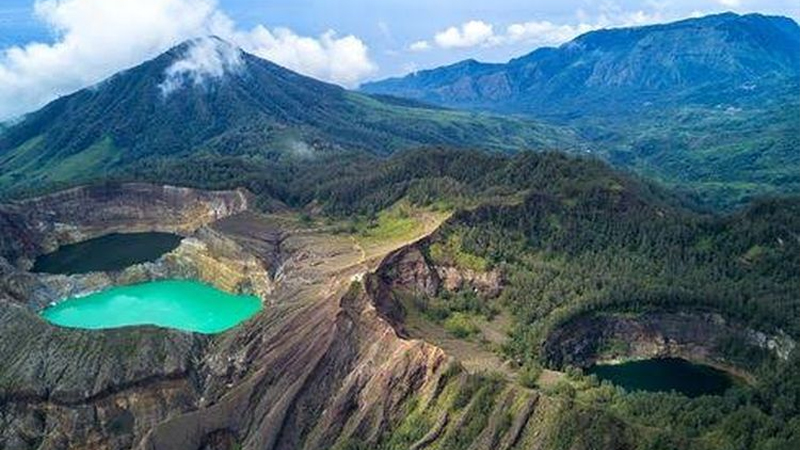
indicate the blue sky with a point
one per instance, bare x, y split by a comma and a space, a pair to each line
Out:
388, 27
342, 41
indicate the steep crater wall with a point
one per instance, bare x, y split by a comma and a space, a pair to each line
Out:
32, 227
39, 225
408, 270
695, 336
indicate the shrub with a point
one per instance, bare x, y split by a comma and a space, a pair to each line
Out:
461, 326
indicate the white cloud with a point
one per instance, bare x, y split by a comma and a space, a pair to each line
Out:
420, 46
470, 34
477, 33
97, 38
344, 60
547, 33
543, 33
730, 3
206, 58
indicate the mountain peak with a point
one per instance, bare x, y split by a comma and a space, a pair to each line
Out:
732, 23
200, 60
209, 97
182, 48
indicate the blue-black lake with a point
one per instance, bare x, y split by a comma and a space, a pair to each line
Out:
107, 253
665, 375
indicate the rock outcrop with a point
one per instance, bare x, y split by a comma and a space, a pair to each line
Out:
695, 336
488, 284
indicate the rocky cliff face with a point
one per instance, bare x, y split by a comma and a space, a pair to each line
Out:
64, 389
693, 336
488, 284
409, 269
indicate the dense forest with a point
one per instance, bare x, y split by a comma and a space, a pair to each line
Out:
574, 237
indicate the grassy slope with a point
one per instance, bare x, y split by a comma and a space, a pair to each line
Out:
26, 166
462, 128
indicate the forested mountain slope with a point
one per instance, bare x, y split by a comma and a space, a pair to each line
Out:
206, 97
708, 105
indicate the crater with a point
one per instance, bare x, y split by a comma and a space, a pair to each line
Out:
662, 351
183, 305
109, 253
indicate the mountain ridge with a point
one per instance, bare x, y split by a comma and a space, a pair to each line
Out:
532, 82
208, 97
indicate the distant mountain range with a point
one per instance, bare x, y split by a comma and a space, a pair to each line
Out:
720, 58
710, 105
206, 97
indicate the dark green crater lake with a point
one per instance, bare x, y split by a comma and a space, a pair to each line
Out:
665, 375
107, 253
182, 305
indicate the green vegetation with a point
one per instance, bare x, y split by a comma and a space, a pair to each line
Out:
27, 166
737, 420
468, 400
725, 157
395, 223
451, 253
460, 325
529, 375
262, 116
601, 243
574, 237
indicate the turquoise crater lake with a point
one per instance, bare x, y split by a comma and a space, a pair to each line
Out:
182, 305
